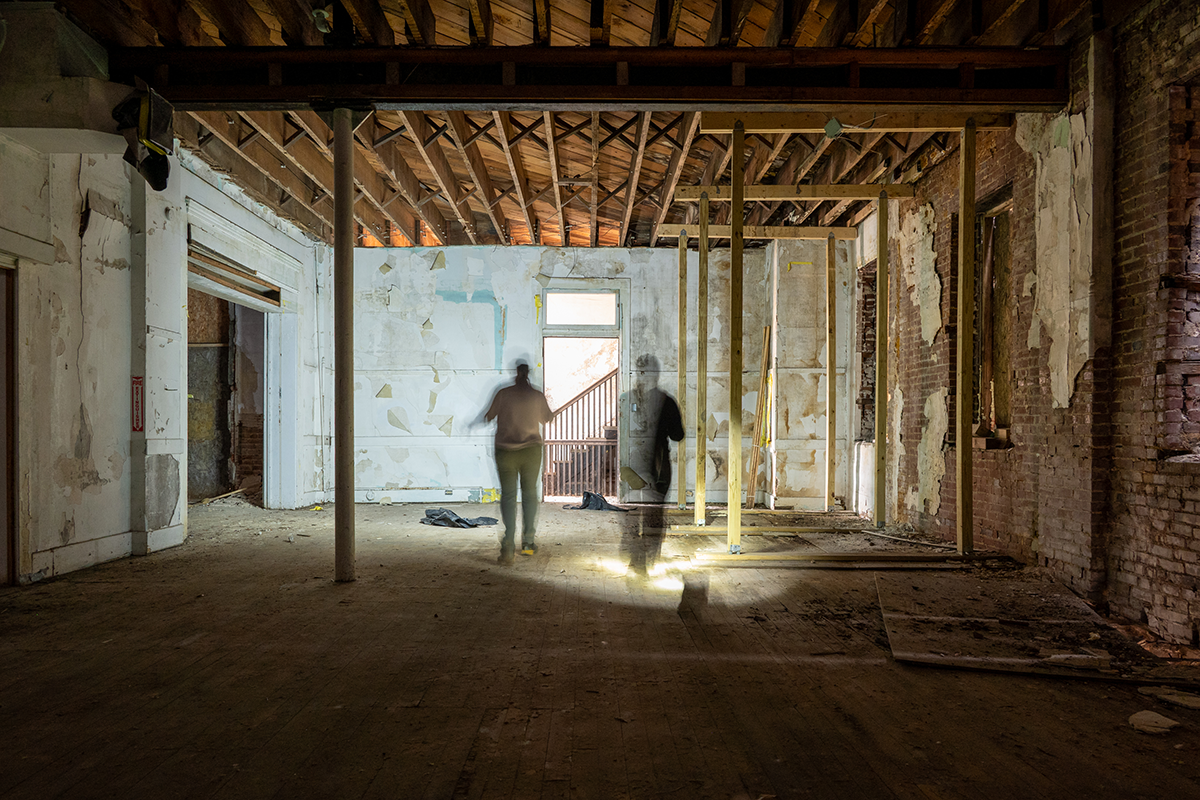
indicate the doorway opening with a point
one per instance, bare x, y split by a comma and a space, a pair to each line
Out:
226, 364
582, 441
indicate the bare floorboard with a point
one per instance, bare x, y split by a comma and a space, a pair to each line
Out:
234, 667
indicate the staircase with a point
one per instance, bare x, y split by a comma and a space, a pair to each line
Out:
581, 443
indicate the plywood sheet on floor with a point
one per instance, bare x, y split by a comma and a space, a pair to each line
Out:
986, 621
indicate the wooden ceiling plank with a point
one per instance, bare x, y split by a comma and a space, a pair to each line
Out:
688, 126
635, 176
468, 150
887, 121
237, 22
391, 164
176, 22
480, 23
435, 160
807, 191
419, 22
516, 166
370, 21
555, 176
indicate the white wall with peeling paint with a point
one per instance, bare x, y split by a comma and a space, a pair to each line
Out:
437, 331
107, 302
799, 442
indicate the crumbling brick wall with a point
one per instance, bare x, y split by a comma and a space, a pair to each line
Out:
1153, 546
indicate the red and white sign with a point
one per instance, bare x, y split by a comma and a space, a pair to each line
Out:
139, 404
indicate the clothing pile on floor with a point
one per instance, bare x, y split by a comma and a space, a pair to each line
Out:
595, 502
448, 519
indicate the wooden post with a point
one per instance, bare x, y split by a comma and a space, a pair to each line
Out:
881, 354
734, 466
965, 385
702, 366
682, 363
343, 337
830, 369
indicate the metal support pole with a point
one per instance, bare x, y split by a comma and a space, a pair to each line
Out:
734, 465
343, 336
881, 363
965, 386
682, 364
702, 366
830, 369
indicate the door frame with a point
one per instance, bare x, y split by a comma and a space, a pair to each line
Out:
8, 274
620, 287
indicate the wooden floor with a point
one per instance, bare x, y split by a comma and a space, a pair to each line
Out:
234, 667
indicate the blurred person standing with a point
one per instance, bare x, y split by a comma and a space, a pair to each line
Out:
659, 413
519, 411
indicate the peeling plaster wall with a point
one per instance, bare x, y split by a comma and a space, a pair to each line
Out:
798, 448
73, 363
931, 456
918, 266
437, 331
1061, 285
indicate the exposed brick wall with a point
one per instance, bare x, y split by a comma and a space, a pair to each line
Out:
866, 349
1153, 548
248, 452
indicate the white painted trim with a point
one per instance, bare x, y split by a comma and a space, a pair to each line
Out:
22, 246
280, 426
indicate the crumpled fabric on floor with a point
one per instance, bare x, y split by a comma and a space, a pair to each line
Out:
595, 502
448, 519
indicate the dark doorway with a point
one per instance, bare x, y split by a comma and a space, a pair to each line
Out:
210, 381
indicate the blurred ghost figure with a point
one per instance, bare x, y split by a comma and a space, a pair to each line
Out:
660, 415
519, 411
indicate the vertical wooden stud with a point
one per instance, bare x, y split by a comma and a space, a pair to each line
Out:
879, 511
702, 366
830, 368
682, 364
965, 384
734, 464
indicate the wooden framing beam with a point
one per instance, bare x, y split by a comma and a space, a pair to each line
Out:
864, 35
802, 192
681, 369
666, 22
420, 25
813, 21
516, 167
555, 176
830, 369
689, 122
791, 232
468, 151
879, 507
541, 22
594, 205
479, 23
391, 162
930, 28
600, 23
699, 502
435, 159
734, 465
893, 121
295, 21
635, 176
237, 23
369, 18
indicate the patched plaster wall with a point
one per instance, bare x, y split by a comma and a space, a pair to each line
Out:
918, 267
799, 443
439, 329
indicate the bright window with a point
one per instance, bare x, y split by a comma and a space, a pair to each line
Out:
581, 308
